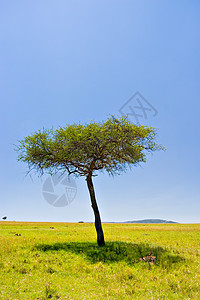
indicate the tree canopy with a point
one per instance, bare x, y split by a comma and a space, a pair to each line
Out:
112, 145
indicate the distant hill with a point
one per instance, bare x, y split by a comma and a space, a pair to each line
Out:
146, 221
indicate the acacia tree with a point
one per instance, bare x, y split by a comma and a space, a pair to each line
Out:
111, 145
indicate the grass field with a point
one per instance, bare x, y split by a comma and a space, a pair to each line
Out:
66, 263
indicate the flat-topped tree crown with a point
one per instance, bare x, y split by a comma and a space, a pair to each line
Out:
111, 145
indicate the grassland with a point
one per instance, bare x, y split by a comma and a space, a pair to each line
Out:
66, 263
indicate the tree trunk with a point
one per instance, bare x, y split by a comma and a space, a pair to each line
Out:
100, 235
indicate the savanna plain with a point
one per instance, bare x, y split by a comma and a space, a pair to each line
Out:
63, 261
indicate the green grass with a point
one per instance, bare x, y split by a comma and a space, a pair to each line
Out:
66, 263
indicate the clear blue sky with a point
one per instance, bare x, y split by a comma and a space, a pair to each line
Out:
75, 61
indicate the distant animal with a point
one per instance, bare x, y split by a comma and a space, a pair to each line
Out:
4, 218
18, 234
149, 258
51, 227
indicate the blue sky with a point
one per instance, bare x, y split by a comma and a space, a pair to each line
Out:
67, 62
